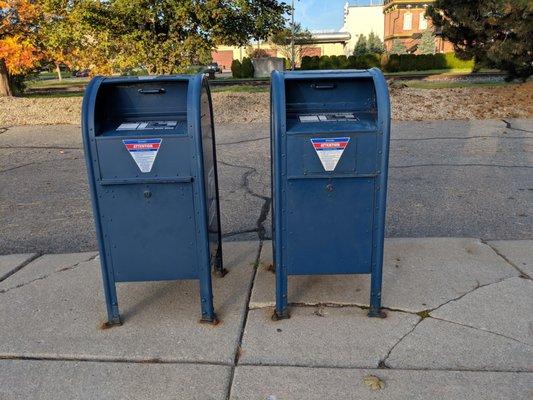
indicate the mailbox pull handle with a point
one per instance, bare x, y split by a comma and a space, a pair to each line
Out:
152, 91
323, 86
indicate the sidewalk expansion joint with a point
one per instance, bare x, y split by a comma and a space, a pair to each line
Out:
512, 264
374, 368
112, 360
43, 277
22, 265
245, 319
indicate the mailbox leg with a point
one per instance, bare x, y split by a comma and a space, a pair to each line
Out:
111, 299
281, 311
219, 265
206, 298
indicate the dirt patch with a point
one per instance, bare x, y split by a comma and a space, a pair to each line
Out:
508, 101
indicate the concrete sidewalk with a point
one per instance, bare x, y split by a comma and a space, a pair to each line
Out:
459, 326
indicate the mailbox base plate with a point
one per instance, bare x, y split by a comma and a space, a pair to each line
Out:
277, 316
377, 313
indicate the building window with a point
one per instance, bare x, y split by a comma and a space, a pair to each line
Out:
407, 21
423, 23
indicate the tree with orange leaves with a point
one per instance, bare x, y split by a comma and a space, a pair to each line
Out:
19, 52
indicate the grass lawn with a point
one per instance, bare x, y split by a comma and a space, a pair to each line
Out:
449, 85
57, 95
240, 89
55, 83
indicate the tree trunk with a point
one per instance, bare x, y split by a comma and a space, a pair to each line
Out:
5, 88
58, 70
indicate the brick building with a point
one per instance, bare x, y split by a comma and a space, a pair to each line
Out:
405, 21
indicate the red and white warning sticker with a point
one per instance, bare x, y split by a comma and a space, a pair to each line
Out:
329, 150
143, 151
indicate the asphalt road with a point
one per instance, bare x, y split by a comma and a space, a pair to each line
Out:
447, 178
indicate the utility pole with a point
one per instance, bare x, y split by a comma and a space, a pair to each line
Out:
293, 62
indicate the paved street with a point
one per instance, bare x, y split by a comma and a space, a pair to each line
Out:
458, 327
447, 178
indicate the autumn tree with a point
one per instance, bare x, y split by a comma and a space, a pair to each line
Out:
167, 36
62, 32
19, 49
497, 33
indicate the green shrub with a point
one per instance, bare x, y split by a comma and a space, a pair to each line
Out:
310, 63
425, 62
452, 61
247, 68
352, 62
335, 62
325, 63
343, 62
236, 69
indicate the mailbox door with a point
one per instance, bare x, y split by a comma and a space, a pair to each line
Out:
150, 231
329, 202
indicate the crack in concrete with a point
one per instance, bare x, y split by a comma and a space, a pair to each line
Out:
41, 147
481, 329
512, 264
510, 126
461, 165
43, 277
37, 163
383, 363
265, 208
460, 138
244, 141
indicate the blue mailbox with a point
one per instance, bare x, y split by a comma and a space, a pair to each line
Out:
150, 152
330, 144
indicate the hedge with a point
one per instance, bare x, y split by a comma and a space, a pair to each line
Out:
391, 63
242, 70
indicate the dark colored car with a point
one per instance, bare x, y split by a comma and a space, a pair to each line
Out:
214, 67
81, 74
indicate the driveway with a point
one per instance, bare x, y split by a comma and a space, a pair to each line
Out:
447, 178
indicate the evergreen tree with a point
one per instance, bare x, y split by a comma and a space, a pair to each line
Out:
247, 68
361, 47
375, 45
398, 47
497, 33
426, 45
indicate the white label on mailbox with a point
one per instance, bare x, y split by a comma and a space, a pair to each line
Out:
143, 151
329, 150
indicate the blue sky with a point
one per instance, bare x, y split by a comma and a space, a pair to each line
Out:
322, 14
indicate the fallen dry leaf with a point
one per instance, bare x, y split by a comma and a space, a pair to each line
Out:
373, 382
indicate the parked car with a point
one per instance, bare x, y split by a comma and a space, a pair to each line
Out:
81, 74
214, 67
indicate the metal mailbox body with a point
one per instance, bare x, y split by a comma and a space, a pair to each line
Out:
150, 152
330, 144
